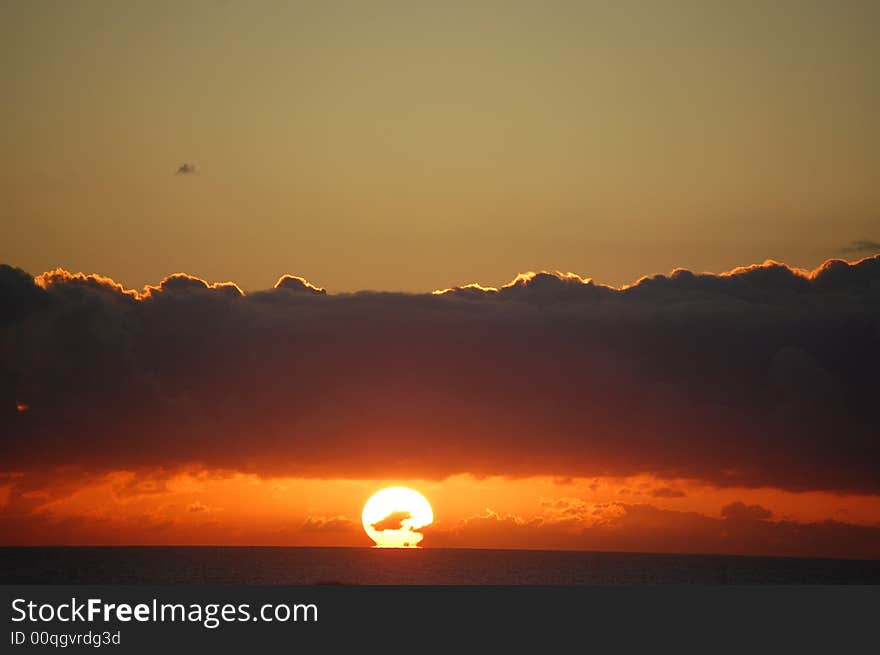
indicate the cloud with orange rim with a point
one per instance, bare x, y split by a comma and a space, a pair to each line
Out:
765, 375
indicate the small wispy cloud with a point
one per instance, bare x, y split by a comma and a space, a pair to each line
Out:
862, 246
327, 524
186, 169
393, 521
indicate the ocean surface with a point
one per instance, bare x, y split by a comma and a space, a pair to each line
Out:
370, 566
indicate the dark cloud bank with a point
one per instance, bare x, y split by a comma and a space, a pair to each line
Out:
762, 376
742, 529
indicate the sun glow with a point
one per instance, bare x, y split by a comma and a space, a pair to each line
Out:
393, 516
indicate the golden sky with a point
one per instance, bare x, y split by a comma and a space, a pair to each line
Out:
638, 513
400, 146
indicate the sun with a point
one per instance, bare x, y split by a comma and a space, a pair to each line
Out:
393, 516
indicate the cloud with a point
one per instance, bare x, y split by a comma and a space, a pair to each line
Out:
186, 169
645, 528
666, 492
762, 376
181, 284
298, 285
862, 246
741, 512
327, 524
394, 521
78, 283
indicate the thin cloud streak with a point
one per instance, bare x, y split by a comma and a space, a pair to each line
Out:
862, 246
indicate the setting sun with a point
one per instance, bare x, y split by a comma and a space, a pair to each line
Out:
393, 516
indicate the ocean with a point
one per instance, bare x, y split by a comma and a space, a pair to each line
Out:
370, 566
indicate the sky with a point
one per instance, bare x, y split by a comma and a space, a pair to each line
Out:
588, 275
413, 146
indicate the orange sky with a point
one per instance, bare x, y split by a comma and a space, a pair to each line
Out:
200, 507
